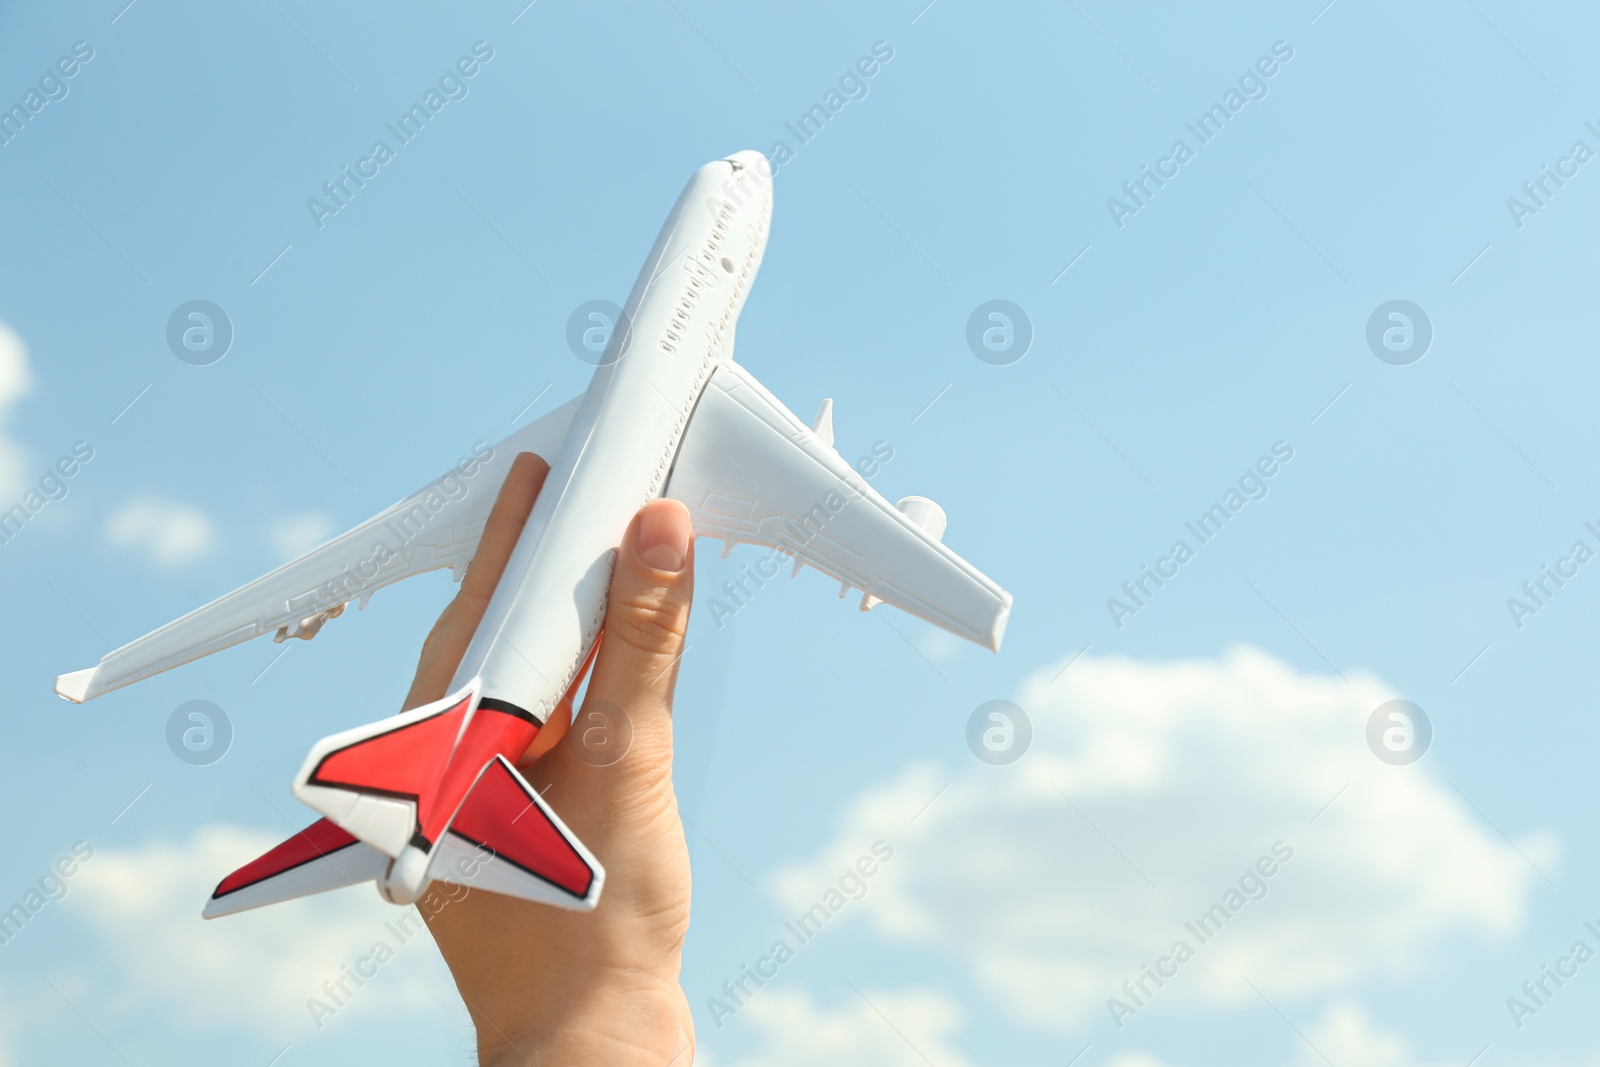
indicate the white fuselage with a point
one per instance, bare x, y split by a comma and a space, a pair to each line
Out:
677, 326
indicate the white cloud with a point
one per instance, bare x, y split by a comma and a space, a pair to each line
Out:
913, 1029
1139, 1059
257, 969
1182, 773
795, 1031
10, 1024
169, 533
15, 381
1346, 1035
296, 535
937, 644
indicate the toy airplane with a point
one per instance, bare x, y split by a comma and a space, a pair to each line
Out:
434, 793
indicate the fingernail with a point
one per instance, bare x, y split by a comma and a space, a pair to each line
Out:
664, 533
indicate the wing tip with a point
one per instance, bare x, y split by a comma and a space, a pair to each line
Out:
997, 630
597, 882
221, 903
75, 686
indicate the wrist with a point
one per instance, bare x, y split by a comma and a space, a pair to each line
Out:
631, 1020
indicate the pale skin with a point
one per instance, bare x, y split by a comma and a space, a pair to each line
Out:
544, 985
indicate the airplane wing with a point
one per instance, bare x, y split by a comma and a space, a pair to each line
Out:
319, 858
750, 472
437, 526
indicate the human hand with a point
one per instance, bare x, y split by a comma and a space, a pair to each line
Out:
544, 985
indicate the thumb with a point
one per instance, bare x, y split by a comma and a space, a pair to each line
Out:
646, 619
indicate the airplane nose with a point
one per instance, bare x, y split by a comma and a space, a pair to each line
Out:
753, 160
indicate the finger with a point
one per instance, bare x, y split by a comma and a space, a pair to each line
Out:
647, 617
506, 520
448, 640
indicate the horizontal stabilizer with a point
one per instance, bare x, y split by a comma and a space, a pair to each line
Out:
379, 781
319, 858
507, 840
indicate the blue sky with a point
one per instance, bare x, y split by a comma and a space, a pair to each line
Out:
1170, 353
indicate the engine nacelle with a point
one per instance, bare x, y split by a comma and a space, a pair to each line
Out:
928, 516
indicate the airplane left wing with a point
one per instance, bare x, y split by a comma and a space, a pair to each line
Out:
750, 472
437, 526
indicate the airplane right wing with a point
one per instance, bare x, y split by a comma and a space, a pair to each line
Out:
750, 472
437, 526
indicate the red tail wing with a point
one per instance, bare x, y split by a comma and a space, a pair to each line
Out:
403, 760
318, 858
504, 818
